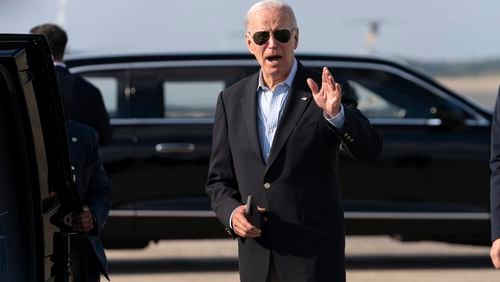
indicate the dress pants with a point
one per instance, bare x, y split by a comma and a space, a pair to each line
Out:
272, 275
93, 273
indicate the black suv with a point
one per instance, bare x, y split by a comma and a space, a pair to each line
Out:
430, 183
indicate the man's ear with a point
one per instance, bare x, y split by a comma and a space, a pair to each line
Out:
296, 37
248, 41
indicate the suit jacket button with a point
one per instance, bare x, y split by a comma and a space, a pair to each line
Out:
267, 185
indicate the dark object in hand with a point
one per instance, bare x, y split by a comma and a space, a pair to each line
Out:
252, 213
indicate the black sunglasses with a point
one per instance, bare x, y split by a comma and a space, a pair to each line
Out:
282, 35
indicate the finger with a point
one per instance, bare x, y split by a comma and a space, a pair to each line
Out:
252, 232
330, 77
338, 87
86, 220
495, 258
329, 86
496, 262
313, 86
325, 78
244, 228
495, 255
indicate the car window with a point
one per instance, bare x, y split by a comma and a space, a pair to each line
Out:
383, 94
113, 87
191, 99
180, 91
374, 105
109, 91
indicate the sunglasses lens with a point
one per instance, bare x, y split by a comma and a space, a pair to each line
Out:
260, 37
282, 35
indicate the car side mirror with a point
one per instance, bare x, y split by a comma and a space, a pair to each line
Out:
451, 117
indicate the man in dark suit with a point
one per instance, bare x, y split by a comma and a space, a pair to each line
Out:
95, 192
495, 185
82, 101
276, 137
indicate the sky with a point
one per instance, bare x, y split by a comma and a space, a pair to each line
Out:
417, 29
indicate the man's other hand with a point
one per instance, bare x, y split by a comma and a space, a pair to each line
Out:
495, 253
241, 226
83, 222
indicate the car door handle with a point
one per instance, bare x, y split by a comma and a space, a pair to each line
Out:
167, 148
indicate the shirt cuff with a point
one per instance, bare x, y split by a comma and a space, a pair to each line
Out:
231, 219
338, 120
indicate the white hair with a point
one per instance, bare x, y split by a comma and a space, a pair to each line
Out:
266, 4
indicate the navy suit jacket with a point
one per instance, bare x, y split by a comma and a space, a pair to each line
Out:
298, 186
92, 184
83, 103
495, 172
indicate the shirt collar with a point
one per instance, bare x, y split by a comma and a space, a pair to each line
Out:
288, 81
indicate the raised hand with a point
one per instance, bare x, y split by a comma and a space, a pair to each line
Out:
328, 97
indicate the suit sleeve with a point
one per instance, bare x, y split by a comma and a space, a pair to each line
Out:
495, 172
98, 196
222, 187
358, 137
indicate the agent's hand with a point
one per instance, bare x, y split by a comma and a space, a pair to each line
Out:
495, 253
241, 226
83, 222
328, 97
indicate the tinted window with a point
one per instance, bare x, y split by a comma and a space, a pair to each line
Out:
109, 90
113, 86
191, 98
374, 105
180, 92
382, 94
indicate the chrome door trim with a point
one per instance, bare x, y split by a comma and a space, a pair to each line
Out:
418, 215
347, 215
210, 121
161, 213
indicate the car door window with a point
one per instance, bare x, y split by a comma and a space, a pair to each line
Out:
191, 99
113, 85
384, 94
374, 105
109, 90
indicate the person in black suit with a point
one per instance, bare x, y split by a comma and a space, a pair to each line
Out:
495, 185
276, 137
82, 101
95, 192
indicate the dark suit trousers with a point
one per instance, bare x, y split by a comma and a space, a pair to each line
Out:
272, 275
93, 272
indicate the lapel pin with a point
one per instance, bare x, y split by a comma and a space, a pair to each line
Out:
303, 98
74, 139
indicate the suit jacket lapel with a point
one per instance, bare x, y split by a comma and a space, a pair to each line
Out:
299, 98
249, 106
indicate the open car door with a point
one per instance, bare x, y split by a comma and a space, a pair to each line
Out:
37, 195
